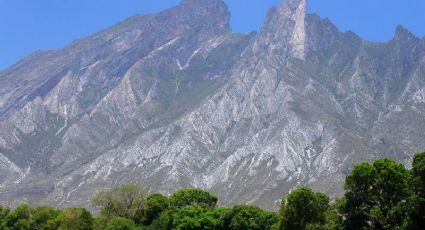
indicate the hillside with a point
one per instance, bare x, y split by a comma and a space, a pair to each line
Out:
176, 99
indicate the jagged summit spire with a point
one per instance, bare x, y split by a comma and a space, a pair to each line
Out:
404, 34
291, 6
285, 29
298, 11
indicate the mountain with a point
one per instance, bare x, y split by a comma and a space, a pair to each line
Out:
176, 99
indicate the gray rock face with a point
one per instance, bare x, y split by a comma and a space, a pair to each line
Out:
176, 99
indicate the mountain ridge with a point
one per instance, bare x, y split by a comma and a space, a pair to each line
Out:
176, 99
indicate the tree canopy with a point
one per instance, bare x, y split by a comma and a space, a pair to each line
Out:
416, 203
125, 201
190, 196
155, 204
303, 208
251, 217
376, 194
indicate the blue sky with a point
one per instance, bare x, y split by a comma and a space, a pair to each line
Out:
30, 25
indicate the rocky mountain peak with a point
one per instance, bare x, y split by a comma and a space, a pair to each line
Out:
215, 10
292, 7
211, 16
284, 31
403, 34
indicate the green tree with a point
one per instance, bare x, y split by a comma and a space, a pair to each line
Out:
126, 201
195, 217
164, 221
19, 218
75, 219
248, 217
190, 196
155, 204
375, 195
189, 217
41, 216
4, 212
100, 222
25, 217
418, 170
304, 209
119, 223
417, 200
334, 219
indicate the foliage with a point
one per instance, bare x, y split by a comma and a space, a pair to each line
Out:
376, 195
100, 222
75, 219
334, 219
249, 217
155, 204
4, 212
119, 223
418, 171
304, 209
164, 221
416, 203
191, 196
43, 218
196, 217
25, 217
19, 218
126, 201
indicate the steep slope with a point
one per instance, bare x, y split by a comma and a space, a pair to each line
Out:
176, 99
140, 74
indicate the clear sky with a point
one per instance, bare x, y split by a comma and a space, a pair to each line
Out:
30, 25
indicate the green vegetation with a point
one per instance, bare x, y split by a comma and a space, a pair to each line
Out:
187, 197
127, 201
304, 209
379, 195
376, 195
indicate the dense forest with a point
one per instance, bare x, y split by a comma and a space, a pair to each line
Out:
379, 195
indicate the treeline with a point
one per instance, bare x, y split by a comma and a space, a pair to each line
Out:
378, 195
